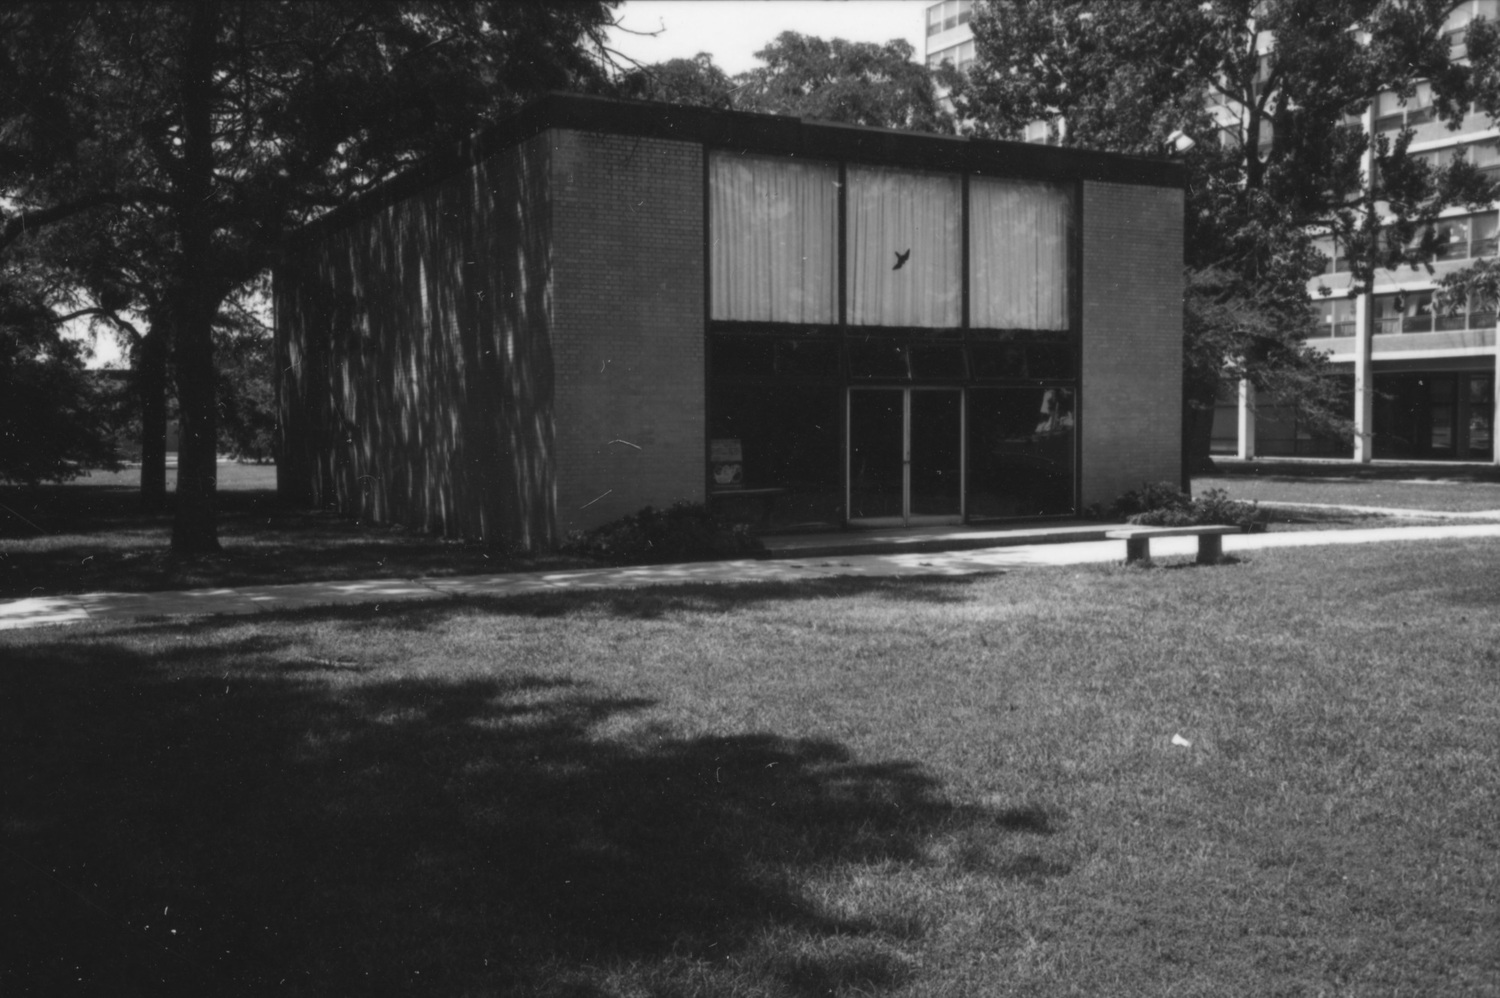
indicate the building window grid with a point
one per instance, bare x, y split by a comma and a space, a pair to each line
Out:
1047, 355
961, 56
949, 15
1417, 312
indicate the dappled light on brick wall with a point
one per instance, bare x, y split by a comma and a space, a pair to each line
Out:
416, 378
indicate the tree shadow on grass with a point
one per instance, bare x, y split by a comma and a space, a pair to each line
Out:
227, 817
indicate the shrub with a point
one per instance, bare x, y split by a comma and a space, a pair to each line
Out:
1164, 505
684, 531
1152, 497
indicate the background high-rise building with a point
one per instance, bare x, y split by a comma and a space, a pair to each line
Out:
949, 37
1421, 383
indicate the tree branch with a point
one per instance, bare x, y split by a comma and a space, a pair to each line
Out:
26, 221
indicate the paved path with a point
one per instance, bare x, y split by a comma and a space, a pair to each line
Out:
44, 610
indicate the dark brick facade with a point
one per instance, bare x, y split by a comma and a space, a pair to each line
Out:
628, 322
511, 345
1130, 426
415, 361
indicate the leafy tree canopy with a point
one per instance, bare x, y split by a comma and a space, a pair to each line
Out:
857, 83
216, 128
1274, 94
55, 417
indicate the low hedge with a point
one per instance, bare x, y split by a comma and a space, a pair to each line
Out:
1162, 504
684, 531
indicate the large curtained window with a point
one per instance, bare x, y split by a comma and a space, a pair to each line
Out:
1018, 254
774, 225
905, 255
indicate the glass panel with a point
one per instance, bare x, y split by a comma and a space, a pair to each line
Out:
1325, 317
790, 438
1343, 321
742, 357
1481, 416
1388, 111
1325, 247
1445, 319
937, 359
1387, 317
808, 358
877, 357
936, 454
1053, 361
1442, 427
1417, 315
1020, 452
1018, 254
1481, 318
876, 453
1419, 108
1484, 234
903, 246
1004, 359
1485, 155
1451, 238
774, 226
1442, 393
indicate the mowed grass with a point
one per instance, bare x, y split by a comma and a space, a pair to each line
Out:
1439, 495
89, 535
928, 787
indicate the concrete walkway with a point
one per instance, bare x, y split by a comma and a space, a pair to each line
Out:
785, 566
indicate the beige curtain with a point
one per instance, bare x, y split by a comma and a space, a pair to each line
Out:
916, 220
1018, 254
773, 226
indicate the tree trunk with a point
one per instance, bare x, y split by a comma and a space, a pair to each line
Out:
151, 390
194, 302
195, 527
1197, 433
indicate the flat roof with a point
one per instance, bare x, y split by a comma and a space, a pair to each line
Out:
750, 132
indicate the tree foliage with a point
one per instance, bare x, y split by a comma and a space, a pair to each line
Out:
856, 83
56, 419
697, 82
216, 128
1280, 146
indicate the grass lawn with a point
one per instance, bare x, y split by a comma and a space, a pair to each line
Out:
1439, 495
89, 535
929, 787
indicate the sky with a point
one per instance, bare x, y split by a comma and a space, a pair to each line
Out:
733, 30
729, 30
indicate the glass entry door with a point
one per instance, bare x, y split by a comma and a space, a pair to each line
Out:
905, 456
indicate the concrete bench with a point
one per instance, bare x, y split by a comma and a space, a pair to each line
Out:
1138, 541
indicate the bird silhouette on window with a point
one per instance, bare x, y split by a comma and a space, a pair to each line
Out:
901, 259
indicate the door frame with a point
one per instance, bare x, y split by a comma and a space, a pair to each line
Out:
906, 519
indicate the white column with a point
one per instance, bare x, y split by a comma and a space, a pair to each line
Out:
1247, 421
1364, 330
1364, 378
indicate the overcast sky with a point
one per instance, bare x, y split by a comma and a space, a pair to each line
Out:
733, 30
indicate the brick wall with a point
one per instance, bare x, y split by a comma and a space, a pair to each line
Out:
628, 324
1131, 418
415, 358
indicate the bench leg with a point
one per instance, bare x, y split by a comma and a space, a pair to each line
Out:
1210, 548
1137, 549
